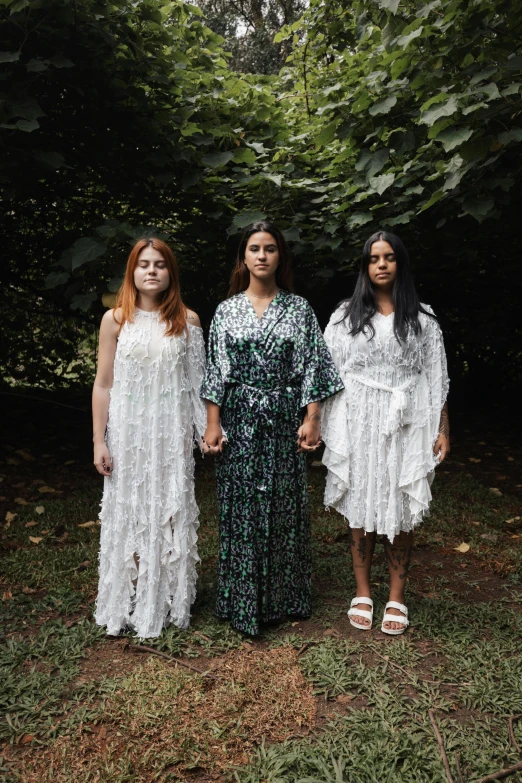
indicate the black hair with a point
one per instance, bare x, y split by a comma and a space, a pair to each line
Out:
240, 274
362, 306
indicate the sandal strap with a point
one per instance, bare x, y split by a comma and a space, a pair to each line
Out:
396, 605
362, 601
395, 618
360, 613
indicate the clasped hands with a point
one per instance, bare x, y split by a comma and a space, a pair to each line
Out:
308, 438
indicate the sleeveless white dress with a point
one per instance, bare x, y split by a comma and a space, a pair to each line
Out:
148, 507
380, 431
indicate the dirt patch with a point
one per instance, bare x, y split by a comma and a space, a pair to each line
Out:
164, 715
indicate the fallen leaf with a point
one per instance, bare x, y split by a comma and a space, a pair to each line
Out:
44, 532
10, 516
25, 455
28, 590
83, 566
472, 459
46, 489
7, 595
462, 547
482, 442
25, 739
92, 523
510, 459
501, 478
12, 461
344, 698
21, 501
40, 509
70, 462
332, 632
495, 490
35, 539
474, 522
31, 524
490, 537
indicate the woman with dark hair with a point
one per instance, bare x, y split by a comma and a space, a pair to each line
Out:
146, 415
388, 430
268, 368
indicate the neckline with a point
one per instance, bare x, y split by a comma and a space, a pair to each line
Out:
385, 316
147, 312
267, 308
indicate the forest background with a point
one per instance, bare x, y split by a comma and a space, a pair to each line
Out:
331, 118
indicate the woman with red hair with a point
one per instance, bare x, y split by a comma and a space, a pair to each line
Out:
147, 414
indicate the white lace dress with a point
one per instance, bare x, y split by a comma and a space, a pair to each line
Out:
380, 431
148, 506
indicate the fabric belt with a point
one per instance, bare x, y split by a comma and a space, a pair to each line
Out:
399, 399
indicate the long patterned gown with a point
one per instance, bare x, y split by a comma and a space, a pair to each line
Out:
262, 373
380, 431
148, 507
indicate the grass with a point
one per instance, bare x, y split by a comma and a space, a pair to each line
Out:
310, 701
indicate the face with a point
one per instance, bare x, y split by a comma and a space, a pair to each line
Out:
151, 275
262, 255
382, 269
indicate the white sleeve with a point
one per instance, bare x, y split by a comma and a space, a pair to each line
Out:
196, 372
436, 368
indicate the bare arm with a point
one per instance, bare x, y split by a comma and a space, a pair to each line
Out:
213, 438
193, 318
101, 392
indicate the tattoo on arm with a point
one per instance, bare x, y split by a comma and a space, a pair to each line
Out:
315, 416
444, 428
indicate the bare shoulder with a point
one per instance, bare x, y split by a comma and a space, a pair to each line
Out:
111, 321
193, 318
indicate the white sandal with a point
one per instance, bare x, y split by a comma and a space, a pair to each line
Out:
395, 618
361, 613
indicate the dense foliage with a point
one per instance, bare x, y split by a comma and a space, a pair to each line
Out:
121, 117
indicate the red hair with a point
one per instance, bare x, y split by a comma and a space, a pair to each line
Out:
172, 310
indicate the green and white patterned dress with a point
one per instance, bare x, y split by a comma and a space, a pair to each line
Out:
262, 373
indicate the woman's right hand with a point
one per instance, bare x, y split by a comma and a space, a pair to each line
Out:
213, 440
102, 459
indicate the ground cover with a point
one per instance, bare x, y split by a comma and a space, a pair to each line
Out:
307, 701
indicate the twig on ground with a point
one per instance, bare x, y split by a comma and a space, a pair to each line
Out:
442, 749
503, 773
457, 764
303, 649
152, 651
202, 636
511, 733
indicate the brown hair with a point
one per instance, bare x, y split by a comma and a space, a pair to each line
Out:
241, 276
172, 310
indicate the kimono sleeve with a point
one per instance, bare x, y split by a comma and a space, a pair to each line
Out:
196, 371
436, 369
213, 387
320, 378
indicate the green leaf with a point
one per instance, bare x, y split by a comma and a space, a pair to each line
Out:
82, 301
491, 90
36, 65
441, 110
23, 125
217, 159
275, 178
326, 135
453, 137
383, 107
115, 283
244, 219
55, 279
511, 89
52, 159
433, 200
85, 250
9, 57
390, 5
382, 183
478, 208
515, 134
359, 219
59, 61
404, 40
453, 180
244, 155
401, 220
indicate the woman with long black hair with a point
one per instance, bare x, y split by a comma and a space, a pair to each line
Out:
268, 368
388, 430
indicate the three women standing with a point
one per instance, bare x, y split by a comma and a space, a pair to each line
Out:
268, 369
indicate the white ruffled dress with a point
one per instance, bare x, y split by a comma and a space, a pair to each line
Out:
148, 506
380, 431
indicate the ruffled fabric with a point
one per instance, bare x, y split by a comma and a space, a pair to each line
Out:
148, 507
380, 431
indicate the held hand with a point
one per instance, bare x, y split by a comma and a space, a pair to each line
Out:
442, 447
102, 459
213, 440
308, 436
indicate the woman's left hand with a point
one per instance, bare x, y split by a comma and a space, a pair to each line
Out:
442, 447
308, 436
